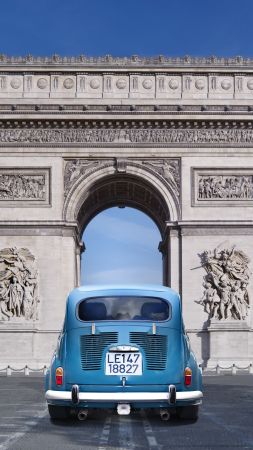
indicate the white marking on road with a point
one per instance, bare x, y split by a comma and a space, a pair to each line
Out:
104, 438
13, 437
152, 442
126, 438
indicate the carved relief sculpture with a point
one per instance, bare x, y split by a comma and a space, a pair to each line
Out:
168, 169
27, 185
226, 295
225, 187
217, 187
127, 136
76, 168
18, 285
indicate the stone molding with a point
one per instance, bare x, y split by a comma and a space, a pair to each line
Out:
133, 61
25, 187
138, 133
222, 186
147, 109
127, 85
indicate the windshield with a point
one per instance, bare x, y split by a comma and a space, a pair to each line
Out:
123, 308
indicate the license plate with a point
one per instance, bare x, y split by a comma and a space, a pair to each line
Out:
123, 363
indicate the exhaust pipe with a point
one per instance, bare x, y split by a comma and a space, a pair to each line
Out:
82, 414
164, 414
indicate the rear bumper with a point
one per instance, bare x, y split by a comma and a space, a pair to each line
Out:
188, 396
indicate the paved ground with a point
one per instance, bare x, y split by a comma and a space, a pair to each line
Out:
226, 421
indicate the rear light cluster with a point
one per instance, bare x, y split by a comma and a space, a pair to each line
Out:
187, 376
59, 376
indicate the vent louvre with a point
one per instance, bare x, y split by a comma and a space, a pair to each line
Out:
155, 349
92, 348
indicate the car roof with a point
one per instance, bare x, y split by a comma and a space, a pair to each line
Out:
109, 287
117, 289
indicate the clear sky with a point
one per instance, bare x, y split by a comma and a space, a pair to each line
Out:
145, 27
121, 247
122, 243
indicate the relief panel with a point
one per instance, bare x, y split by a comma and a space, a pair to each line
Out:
142, 86
222, 187
89, 86
24, 187
18, 285
168, 86
226, 284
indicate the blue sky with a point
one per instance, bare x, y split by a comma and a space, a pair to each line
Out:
145, 27
122, 243
121, 247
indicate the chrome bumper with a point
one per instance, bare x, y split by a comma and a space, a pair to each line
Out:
124, 396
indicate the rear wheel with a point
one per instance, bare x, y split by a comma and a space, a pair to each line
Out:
190, 412
58, 412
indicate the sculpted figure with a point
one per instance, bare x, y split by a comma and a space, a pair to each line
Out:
18, 284
5, 313
226, 283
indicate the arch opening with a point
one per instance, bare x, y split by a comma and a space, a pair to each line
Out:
138, 188
123, 190
121, 246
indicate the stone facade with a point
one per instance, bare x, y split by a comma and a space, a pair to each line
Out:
170, 136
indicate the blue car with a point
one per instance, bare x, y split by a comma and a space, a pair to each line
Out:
123, 347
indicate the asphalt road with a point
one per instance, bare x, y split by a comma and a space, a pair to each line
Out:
225, 422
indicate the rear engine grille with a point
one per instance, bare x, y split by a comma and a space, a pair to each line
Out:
92, 347
155, 349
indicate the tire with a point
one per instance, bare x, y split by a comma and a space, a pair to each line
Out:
188, 412
58, 412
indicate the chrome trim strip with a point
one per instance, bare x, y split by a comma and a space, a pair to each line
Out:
123, 396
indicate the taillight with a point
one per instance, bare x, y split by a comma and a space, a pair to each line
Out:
59, 376
187, 376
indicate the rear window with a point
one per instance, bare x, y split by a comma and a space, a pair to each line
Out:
123, 308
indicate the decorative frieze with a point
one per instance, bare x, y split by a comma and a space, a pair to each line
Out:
222, 187
129, 84
18, 285
131, 136
226, 294
24, 187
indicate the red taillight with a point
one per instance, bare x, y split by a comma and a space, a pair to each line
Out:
59, 376
187, 376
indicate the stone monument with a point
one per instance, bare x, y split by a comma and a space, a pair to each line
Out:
172, 137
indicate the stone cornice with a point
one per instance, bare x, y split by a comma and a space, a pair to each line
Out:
132, 62
40, 109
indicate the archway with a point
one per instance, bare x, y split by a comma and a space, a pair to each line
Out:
121, 246
106, 184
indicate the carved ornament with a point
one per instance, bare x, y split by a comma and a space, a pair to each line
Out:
128, 137
168, 169
27, 186
18, 285
226, 294
223, 186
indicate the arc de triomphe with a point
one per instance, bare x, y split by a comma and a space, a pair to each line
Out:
172, 137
